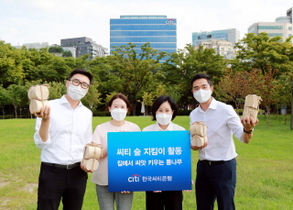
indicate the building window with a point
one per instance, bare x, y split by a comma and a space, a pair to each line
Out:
270, 27
275, 34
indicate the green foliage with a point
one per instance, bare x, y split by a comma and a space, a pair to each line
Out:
134, 71
56, 90
263, 65
284, 89
92, 98
262, 52
183, 65
11, 70
5, 99
18, 97
55, 49
248, 82
67, 53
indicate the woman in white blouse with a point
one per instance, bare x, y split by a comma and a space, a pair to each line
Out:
164, 110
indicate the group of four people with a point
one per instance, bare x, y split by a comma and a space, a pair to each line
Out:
65, 127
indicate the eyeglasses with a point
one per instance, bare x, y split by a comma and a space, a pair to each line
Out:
83, 85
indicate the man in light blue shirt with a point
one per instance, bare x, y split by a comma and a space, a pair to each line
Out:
216, 168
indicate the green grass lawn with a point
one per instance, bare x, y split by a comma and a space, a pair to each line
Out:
264, 174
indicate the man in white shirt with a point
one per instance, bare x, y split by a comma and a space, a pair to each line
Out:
216, 168
62, 131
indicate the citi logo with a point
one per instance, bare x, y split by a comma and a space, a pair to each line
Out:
170, 22
134, 178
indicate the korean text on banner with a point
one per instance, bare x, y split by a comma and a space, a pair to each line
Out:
149, 161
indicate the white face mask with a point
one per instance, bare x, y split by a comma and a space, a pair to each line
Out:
202, 95
118, 114
164, 119
76, 92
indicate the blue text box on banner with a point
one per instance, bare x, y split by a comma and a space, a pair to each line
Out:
149, 161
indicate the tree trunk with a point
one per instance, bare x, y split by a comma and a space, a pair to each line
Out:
3, 112
291, 122
15, 111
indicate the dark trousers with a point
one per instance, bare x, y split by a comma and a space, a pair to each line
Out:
165, 200
61, 183
213, 182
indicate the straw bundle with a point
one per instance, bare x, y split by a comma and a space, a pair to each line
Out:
251, 105
198, 132
38, 96
91, 155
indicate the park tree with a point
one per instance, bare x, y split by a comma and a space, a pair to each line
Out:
235, 86
56, 89
262, 52
80, 62
147, 101
184, 64
103, 74
45, 66
283, 93
92, 98
10, 65
67, 53
135, 70
36, 64
55, 70
18, 97
5, 99
55, 49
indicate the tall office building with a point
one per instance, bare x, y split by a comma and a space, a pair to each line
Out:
85, 45
158, 30
231, 35
281, 27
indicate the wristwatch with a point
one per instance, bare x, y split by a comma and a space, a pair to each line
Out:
248, 132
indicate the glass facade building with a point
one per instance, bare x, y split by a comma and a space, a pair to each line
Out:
231, 35
158, 30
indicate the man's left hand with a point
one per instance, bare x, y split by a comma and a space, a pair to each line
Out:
249, 123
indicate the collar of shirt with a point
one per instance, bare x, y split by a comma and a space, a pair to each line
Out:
63, 100
169, 128
213, 105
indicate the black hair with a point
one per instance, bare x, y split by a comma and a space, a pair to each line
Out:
83, 72
124, 98
201, 76
159, 101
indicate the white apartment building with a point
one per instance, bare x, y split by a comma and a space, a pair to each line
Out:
282, 26
35, 45
221, 47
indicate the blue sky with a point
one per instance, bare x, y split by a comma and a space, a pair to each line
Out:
27, 21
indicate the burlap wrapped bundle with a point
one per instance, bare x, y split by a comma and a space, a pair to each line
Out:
251, 105
91, 156
38, 96
198, 131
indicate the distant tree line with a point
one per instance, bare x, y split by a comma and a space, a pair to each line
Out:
262, 65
